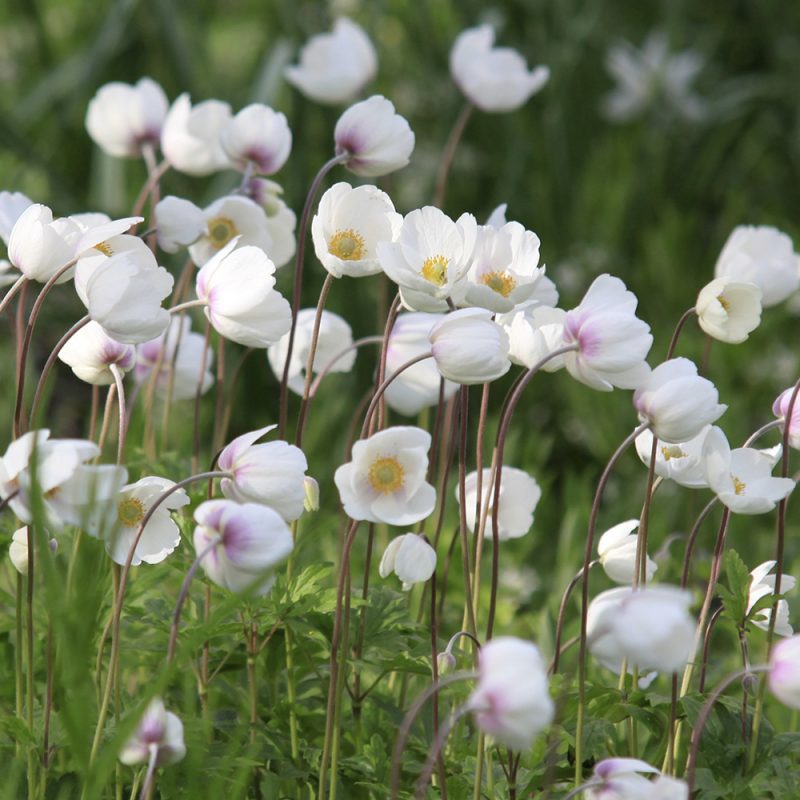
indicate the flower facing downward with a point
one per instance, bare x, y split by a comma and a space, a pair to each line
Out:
39, 245
784, 671
617, 552
681, 462
160, 730
257, 135
780, 408
729, 311
12, 204
511, 701
90, 352
763, 584
411, 558
385, 481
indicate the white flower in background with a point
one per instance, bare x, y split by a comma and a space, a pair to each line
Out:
242, 304
335, 336
8, 274
159, 729
612, 341
349, 225
763, 584
519, 496
272, 473
495, 79
258, 136
651, 628
18, 550
784, 671
676, 402
764, 256
418, 386
385, 481
12, 204
653, 78
742, 478
729, 311
411, 558
281, 220
533, 335
619, 779
243, 543
431, 255
122, 118
178, 356
160, 536
512, 700
311, 488
90, 352
681, 462
334, 67
780, 408
469, 347
376, 138
38, 245
617, 553
190, 138
179, 223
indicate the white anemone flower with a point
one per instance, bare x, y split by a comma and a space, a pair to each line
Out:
385, 481
179, 223
349, 225
258, 136
619, 779
90, 352
763, 584
334, 67
533, 335
335, 336
780, 408
12, 204
281, 220
784, 672
158, 730
237, 287
729, 311
38, 245
411, 558
681, 462
122, 118
160, 536
616, 552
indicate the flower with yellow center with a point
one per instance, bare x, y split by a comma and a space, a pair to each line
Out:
434, 270
347, 245
386, 475
500, 282
729, 310
220, 231
130, 512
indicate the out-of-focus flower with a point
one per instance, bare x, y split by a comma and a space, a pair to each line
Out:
742, 478
512, 701
418, 386
12, 204
257, 135
763, 584
612, 341
122, 118
619, 779
385, 481
349, 225
495, 79
411, 558
242, 544
764, 256
91, 351
784, 671
681, 462
376, 138
18, 550
179, 223
281, 220
159, 729
729, 311
617, 553
519, 496
160, 536
780, 408
272, 473
676, 402
653, 78
242, 304
534, 335
190, 138
334, 337
334, 67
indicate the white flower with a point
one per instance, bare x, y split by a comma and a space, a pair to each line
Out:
334, 67
741, 478
12, 204
495, 79
469, 347
190, 138
349, 225
534, 334
681, 462
90, 352
612, 341
122, 118
784, 671
335, 336
385, 481
676, 402
617, 553
780, 408
311, 489
511, 701
618, 779
241, 302
8, 274
242, 542
411, 558
376, 139
257, 135
179, 223
160, 536
519, 496
18, 550
418, 386
272, 473
281, 220
159, 729
764, 256
729, 311
763, 584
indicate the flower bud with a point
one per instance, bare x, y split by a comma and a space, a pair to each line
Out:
311, 487
729, 311
445, 663
780, 408
18, 551
411, 558
257, 135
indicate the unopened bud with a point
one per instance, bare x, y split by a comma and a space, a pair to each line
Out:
750, 683
445, 662
18, 552
311, 487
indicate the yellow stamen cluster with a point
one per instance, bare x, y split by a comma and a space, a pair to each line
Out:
386, 475
724, 303
347, 245
672, 451
500, 282
130, 512
738, 486
434, 270
105, 248
220, 231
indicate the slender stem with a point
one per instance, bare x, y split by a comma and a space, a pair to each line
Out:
188, 304
687, 315
328, 368
105, 426
123, 417
362, 625
153, 178
149, 782
198, 397
19, 676
340, 682
391, 318
48, 704
435, 678
479, 530
562, 613
12, 292
436, 749
640, 574
701, 687
217, 442
462, 509
449, 152
29, 663
93, 413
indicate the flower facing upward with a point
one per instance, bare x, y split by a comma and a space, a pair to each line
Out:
780, 408
784, 671
385, 481
259, 136
729, 311
763, 584
495, 79
159, 729
411, 558
616, 550
90, 353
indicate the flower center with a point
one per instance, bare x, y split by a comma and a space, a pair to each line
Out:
738, 486
130, 512
105, 248
434, 270
500, 282
724, 303
220, 231
347, 245
672, 451
386, 475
